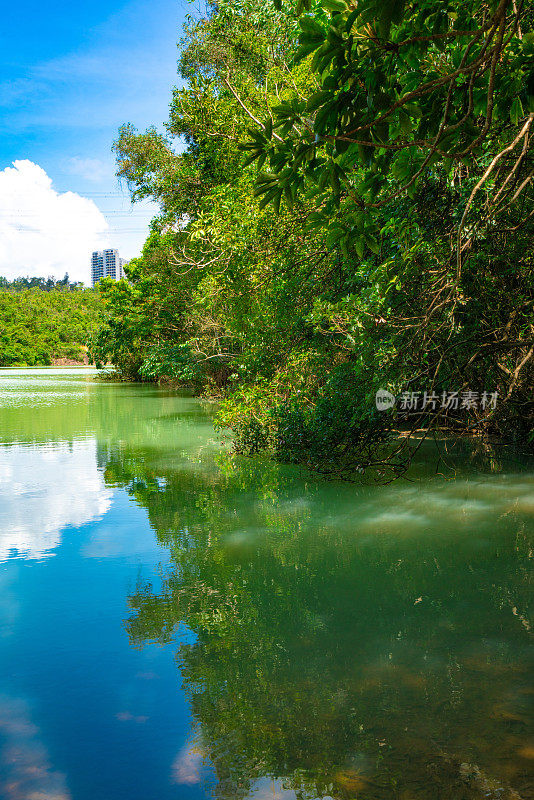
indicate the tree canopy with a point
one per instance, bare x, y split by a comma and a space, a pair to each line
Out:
46, 284
346, 207
37, 327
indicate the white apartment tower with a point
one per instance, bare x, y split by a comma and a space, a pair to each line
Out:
106, 264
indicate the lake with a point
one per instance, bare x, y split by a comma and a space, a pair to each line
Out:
176, 622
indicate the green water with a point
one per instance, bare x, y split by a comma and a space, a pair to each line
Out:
178, 623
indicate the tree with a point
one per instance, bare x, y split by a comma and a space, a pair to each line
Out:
38, 326
398, 259
404, 90
416, 148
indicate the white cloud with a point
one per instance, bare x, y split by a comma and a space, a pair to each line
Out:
43, 232
187, 765
43, 491
25, 768
66, 103
268, 788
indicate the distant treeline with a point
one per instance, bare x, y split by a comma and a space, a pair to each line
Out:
38, 327
46, 284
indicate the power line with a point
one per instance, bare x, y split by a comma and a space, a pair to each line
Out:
102, 232
37, 214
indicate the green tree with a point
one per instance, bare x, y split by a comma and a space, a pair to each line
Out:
416, 151
39, 326
387, 247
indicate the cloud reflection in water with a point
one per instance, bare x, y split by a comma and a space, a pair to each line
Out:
43, 490
25, 769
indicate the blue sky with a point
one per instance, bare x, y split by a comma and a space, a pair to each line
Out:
70, 75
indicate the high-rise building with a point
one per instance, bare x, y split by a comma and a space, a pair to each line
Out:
97, 267
107, 264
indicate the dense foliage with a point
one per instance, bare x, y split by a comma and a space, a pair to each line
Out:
46, 284
387, 247
38, 327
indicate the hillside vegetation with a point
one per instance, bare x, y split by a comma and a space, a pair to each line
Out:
38, 327
353, 210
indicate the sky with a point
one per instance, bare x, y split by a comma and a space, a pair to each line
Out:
70, 75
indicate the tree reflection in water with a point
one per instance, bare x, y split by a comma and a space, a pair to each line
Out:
355, 643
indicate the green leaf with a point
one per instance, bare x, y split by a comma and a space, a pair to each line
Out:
303, 52
251, 158
270, 195
303, 5
318, 99
380, 131
335, 6
364, 153
322, 117
351, 19
311, 26
372, 244
334, 181
282, 110
516, 111
288, 194
528, 43
342, 145
334, 234
406, 124
413, 110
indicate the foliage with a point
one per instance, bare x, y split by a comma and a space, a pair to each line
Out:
46, 284
38, 326
404, 92
387, 247
422, 108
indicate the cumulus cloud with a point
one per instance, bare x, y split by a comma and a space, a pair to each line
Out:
43, 232
45, 490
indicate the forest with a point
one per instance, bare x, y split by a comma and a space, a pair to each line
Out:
46, 284
346, 214
39, 326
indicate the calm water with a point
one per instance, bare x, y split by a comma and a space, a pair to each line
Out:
178, 624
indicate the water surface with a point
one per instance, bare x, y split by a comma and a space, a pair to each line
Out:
178, 623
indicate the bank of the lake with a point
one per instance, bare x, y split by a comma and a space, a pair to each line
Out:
177, 622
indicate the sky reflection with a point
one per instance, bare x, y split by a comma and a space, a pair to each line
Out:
26, 772
45, 489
